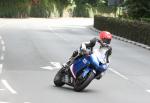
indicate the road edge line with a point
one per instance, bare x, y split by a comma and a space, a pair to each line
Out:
5, 83
119, 74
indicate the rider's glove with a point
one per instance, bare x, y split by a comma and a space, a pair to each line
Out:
83, 51
105, 45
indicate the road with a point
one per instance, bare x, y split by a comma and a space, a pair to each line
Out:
31, 51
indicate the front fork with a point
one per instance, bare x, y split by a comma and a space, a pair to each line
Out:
67, 78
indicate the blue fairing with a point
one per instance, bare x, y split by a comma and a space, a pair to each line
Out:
86, 71
83, 63
97, 64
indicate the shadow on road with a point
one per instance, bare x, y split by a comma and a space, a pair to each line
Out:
70, 89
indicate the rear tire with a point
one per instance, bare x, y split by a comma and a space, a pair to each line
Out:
58, 78
80, 86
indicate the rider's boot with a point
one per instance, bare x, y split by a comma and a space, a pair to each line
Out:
69, 62
71, 59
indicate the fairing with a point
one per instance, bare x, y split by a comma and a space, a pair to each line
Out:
97, 60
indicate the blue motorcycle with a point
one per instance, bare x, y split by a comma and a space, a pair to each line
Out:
83, 70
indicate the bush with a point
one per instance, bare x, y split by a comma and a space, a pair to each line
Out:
15, 8
27, 8
83, 11
133, 30
138, 8
53, 8
39, 10
145, 20
48, 8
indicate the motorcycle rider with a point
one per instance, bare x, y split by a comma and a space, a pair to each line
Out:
104, 41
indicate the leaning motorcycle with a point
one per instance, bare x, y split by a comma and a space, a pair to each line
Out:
83, 70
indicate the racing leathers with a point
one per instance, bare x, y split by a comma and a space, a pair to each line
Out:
90, 45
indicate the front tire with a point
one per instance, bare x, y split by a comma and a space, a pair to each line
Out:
58, 78
80, 86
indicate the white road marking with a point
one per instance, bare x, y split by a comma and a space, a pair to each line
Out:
3, 48
56, 64
2, 57
59, 35
8, 87
148, 90
48, 68
2, 42
2, 89
3, 102
1, 68
119, 74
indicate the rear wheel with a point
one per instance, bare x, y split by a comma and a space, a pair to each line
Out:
58, 78
80, 84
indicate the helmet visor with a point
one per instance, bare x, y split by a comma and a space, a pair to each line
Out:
107, 41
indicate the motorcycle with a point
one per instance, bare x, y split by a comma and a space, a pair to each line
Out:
83, 70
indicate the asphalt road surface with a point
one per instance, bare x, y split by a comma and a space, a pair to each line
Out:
31, 51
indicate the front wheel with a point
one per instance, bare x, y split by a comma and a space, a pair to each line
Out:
79, 84
58, 78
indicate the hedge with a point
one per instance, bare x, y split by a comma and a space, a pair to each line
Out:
132, 30
145, 20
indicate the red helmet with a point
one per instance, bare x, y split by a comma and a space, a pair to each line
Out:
105, 36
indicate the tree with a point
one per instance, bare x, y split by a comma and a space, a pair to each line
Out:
138, 8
